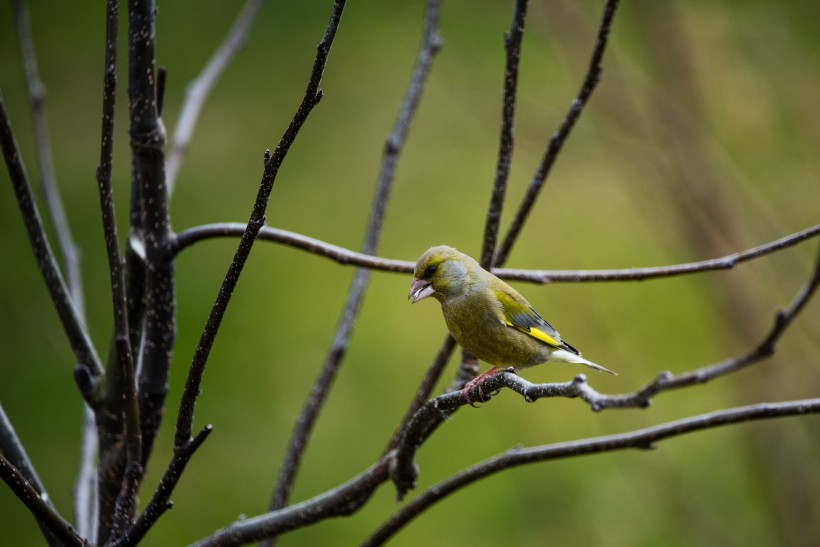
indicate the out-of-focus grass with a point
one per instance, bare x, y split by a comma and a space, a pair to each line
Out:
701, 140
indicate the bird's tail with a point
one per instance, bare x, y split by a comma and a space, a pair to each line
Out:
565, 356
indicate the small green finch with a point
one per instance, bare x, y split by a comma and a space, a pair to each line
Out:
486, 316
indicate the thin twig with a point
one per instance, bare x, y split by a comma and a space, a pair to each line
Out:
344, 256
558, 139
430, 44
512, 46
198, 90
641, 439
48, 182
342, 500
338, 254
160, 500
639, 274
12, 448
312, 97
435, 411
666, 381
87, 359
121, 385
42, 510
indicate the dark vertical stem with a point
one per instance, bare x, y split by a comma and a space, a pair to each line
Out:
512, 45
159, 502
122, 391
117, 471
312, 97
147, 146
431, 42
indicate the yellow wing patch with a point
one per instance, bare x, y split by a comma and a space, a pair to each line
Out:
537, 334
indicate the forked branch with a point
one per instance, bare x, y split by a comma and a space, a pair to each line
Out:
42, 510
347, 257
593, 76
435, 411
430, 44
506, 141
642, 439
311, 98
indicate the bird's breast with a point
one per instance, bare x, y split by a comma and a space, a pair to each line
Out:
480, 330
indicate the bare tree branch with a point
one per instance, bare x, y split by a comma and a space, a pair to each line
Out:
148, 161
338, 254
87, 360
431, 42
638, 274
556, 143
666, 381
143, 295
347, 257
160, 500
199, 89
512, 46
435, 411
119, 474
12, 449
48, 182
312, 97
641, 439
103, 174
121, 383
41, 509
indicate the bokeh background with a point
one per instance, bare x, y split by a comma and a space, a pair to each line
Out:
701, 140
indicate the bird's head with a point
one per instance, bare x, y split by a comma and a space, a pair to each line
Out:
441, 272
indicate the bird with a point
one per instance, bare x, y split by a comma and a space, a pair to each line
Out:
487, 317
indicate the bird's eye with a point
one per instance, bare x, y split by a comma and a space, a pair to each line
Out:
430, 270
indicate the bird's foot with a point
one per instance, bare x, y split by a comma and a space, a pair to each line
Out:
477, 383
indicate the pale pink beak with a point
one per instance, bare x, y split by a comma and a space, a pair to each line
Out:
420, 290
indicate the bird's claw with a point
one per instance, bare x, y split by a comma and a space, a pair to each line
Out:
478, 384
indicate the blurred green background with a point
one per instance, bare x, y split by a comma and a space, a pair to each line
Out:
701, 140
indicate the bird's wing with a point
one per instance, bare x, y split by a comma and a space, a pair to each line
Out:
519, 315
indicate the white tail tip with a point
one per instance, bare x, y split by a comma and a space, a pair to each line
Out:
565, 356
